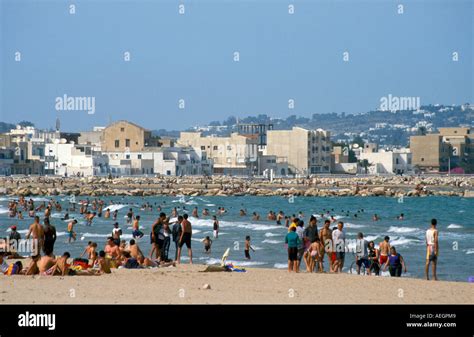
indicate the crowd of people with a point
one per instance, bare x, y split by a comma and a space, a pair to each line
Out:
304, 244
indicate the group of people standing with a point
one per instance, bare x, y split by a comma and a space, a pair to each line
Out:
311, 246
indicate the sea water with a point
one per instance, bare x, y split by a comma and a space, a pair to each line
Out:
454, 215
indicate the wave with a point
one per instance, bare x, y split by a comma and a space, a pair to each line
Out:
470, 251
280, 265
394, 229
272, 241
256, 227
113, 208
4, 210
268, 235
454, 226
402, 241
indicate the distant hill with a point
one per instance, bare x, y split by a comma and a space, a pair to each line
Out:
6, 127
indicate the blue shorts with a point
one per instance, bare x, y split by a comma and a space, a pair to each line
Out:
363, 261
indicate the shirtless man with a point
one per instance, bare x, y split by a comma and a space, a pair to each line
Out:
432, 249
32, 268
136, 252
107, 213
38, 233
70, 230
111, 249
384, 248
90, 217
325, 238
136, 228
45, 264
185, 238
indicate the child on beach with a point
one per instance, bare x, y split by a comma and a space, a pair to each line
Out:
248, 247
207, 244
315, 258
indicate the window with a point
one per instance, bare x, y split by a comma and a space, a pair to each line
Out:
203, 148
139, 156
122, 129
117, 143
127, 142
127, 156
214, 147
396, 161
422, 159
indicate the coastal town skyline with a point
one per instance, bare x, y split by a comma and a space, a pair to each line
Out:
149, 73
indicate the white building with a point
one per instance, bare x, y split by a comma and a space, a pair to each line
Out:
171, 161
387, 162
69, 159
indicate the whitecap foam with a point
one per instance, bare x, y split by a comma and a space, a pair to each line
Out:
256, 227
402, 241
274, 242
210, 205
115, 207
395, 229
4, 210
454, 226
470, 251
280, 265
268, 235
350, 225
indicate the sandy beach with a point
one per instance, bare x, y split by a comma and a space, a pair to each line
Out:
184, 285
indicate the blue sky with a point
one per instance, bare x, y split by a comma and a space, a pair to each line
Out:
190, 57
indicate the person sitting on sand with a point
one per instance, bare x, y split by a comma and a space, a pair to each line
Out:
90, 249
45, 265
32, 268
136, 252
111, 249
3, 263
129, 262
104, 263
395, 263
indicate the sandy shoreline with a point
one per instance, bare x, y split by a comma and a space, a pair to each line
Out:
184, 285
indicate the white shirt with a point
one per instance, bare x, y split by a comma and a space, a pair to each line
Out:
338, 237
430, 239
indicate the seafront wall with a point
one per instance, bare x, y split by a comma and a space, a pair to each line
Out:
396, 186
